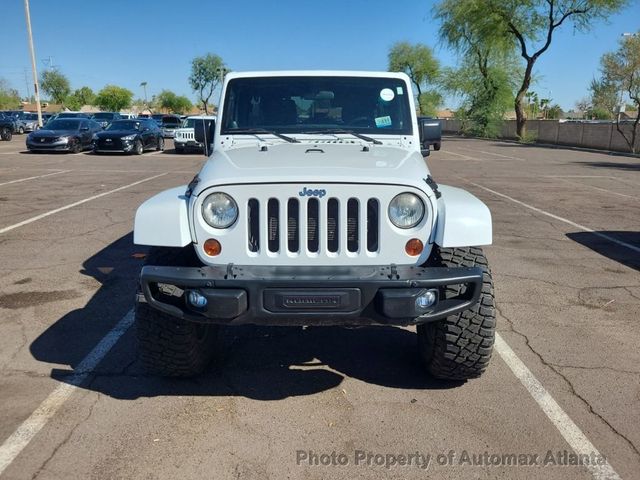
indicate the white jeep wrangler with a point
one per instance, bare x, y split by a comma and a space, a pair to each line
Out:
184, 138
315, 207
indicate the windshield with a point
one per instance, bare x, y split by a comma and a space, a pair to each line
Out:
124, 125
315, 104
188, 123
63, 124
170, 121
103, 116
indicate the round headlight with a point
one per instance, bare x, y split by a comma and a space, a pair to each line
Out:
406, 210
219, 210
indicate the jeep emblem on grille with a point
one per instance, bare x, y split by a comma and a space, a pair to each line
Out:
307, 192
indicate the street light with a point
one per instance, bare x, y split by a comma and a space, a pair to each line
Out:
144, 86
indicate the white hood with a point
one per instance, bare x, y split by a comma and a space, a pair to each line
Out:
315, 163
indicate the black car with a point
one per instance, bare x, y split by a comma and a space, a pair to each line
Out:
72, 115
129, 136
105, 118
7, 127
64, 134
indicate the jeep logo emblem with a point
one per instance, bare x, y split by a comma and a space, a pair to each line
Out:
307, 192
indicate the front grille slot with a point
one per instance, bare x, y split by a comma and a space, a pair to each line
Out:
313, 212
373, 225
293, 225
273, 225
253, 219
353, 235
333, 222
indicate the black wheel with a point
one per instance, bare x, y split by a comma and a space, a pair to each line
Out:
169, 346
6, 134
20, 130
460, 347
179, 148
138, 148
160, 144
76, 147
436, 146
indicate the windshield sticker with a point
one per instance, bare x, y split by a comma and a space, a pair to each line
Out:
383, 121
387, 94
399, 91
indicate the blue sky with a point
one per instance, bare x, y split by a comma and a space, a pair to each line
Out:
126, 42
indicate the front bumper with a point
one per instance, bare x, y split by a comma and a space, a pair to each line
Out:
362, 295
187, 143
53, 146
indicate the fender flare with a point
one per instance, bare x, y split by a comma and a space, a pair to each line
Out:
163, 220
463, 219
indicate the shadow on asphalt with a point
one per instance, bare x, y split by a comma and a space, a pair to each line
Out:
630, 167
609, 249
262, 363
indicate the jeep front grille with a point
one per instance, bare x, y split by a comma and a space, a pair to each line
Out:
330, 224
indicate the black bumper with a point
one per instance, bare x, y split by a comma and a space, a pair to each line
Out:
314, 296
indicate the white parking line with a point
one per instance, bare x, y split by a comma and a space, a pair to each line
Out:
556, 217
597, 188
466, 157
33, 178
567, 428
75, 204
28, 429
493, 153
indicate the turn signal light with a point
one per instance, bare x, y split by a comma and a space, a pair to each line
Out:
212, 247
414, 247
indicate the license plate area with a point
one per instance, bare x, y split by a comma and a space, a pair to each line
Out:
284, 300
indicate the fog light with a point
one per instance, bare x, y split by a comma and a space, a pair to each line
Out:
197, 300
414, 247
426, 300
212, 247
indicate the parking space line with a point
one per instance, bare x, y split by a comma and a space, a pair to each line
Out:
466, 157
495, 154
75, 204
567, 427
28, 429
556, 217
33, 178
598, 188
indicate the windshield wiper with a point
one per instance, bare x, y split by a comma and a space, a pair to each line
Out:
256, 131
333, 131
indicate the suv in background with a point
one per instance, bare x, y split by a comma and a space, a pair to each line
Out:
184, 136
169, 124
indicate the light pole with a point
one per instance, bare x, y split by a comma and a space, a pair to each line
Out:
144, 86
33, 62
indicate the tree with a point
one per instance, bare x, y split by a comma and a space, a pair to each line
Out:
419, 63
529, 25
9, 97
486, 78
168, 100
80, 97
621, 70
113, 98
206, 74
56, 85
604, 97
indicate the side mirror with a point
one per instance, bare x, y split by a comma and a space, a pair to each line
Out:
203, 131
430, 132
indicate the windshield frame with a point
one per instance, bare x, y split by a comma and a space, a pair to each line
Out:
338, 94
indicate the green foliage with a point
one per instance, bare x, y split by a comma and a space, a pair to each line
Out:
56, 85
113, 98
420, 64
476, 26
554, 112
85, 95
206, 74
604, 97
9, 97
168, 100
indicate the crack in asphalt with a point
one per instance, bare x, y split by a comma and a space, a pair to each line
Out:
556, 370
66, 439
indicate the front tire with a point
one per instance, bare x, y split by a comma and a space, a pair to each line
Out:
20, 130
5, 134
169, 346
138, 148
160, 144
436, 146
460, 346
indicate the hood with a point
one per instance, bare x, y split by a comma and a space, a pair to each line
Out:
43, 132
116, 133
314, 163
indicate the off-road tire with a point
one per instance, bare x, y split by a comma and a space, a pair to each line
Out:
169, 346
436, 146
179, 149
460, 346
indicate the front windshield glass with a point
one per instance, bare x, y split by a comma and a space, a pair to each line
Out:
314, 104
103, 116
188, 123
124, 125
63, 124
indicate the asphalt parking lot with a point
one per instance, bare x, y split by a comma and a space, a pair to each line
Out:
565, 376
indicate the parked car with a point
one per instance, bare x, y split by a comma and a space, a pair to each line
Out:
27, 122
184, 136
7, 127
64, 134
105, 118
129, 136
73, 115
170, 123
